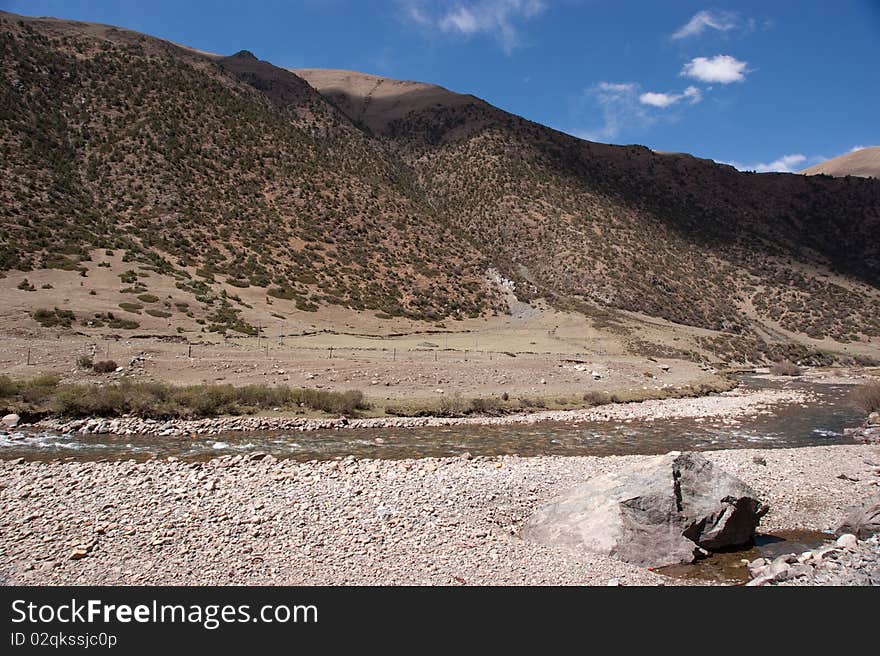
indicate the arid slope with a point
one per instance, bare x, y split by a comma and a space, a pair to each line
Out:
863, 163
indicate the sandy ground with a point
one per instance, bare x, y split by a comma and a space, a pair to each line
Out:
430, 521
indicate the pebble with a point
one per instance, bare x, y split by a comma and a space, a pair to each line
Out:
737, 402
369, 522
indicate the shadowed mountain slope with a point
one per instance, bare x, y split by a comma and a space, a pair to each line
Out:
668, 235
340, 188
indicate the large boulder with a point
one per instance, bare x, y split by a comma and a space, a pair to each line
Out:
10, 421
862, 520
655, 513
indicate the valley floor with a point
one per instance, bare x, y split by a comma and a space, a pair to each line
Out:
411, 370
450, 521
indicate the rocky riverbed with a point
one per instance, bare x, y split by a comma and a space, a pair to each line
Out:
848, 561
450, 521
728, 406
868, 432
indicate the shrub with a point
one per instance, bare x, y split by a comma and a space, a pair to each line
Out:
125, 324
148, 298
596, 398
54, 317
84, 362
785, 368
483, 406
866, 397
105, 366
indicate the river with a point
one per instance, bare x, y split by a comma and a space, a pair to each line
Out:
819, 422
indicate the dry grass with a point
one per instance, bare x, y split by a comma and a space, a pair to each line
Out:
44, 396
866, 397
785, 368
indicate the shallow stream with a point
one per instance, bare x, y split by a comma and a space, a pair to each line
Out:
818, 422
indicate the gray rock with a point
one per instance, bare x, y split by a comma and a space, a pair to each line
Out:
757, 566
848, 541
656, 513
10, 421
862, 520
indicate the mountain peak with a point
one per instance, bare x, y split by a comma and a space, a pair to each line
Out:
245, 54
377, 101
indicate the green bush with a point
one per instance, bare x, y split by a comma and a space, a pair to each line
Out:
54, 317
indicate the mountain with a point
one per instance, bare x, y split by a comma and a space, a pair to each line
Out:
226, 164
863, 163
325, 188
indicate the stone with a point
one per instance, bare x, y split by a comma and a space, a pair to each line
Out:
848, 541
757, 566
862, 520
10, 420
656, 513
78, 553
779, 567
874, 419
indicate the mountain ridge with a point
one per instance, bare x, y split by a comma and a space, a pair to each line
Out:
863, 163
340, 188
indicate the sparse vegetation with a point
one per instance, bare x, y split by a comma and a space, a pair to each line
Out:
785, 368
105, 367
866, 397
140, 164
45, 396
54, 318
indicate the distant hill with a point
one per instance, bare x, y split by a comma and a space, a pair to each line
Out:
863, 163
337, 188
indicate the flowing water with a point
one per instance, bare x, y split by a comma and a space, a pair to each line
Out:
819, 422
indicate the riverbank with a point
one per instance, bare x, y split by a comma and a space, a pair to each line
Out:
449, 521
728, 406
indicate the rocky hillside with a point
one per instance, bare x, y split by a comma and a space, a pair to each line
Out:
669, 236
399, 197
231, 165
863, 163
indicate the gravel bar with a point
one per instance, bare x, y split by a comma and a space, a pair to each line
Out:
257, 520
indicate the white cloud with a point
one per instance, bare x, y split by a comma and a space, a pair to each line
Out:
499, 19
654, 99
624, 108
618, 103
723, 21
723, 69
785, 164
789, 163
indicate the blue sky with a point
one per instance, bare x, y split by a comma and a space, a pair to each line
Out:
764, 85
